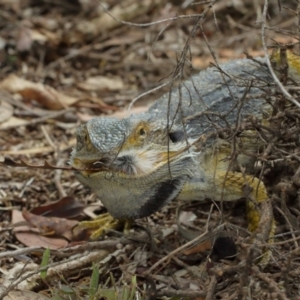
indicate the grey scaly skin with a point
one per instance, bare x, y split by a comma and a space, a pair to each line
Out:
138, 164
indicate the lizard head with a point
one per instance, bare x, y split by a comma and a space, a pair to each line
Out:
134, 165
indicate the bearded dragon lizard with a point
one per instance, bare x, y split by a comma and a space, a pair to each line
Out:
175, 150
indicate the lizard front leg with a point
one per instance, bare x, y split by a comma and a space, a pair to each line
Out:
101, 224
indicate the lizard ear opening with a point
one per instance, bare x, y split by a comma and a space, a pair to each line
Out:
176, 136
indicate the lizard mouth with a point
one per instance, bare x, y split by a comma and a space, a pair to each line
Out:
89, 166
132, 163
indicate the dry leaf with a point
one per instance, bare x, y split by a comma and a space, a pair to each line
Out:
2, 43
45, 95
102, 83
200, 248
105, 22
89, 5
129, 39
187, 217
24, 40
182, 219
98, 104
29, 238
38, 36
6, 111
18, 269
67, 207
13, 122
51, 226
48, 232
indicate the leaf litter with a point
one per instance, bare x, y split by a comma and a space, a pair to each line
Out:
55, 59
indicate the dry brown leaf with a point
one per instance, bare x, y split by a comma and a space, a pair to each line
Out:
6, 111
45, 95
130, 38
89, 5
102, 83
201, 62
38, 36
200, 248
13, 122
123, 11
27, 36
26, 236
233, 54
67, 207
24, 40
47, 232
51, 226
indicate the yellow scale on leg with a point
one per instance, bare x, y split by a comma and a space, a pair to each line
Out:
104, 223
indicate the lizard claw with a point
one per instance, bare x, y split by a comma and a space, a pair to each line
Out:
102, 224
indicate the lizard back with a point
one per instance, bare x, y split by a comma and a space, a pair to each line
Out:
214, 99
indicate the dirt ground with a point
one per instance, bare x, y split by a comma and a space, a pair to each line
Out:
65, 62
